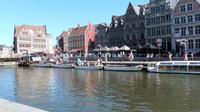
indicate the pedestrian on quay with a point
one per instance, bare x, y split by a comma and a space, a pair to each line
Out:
147, 56
170, 56
185, 56
192, 56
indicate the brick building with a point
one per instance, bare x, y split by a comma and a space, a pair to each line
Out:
186, 25
30, 39
62, 40
81, 39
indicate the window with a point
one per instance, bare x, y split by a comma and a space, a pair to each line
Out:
197, 43
183, 8
157, 19
162, 18
190, 44
183, 19
177, 20
163, 31
25, 33
177, 30
183, 31
168, 29
168, 17
158, 31
153, 31
39, 35
162, 8
190, 19
153, 10
197, 29
189, 7
197, 17
190, 30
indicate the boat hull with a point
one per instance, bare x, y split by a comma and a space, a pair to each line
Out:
124, 69
62, 66
46, 65
89, 67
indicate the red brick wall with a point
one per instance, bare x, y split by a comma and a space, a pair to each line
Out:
89, 35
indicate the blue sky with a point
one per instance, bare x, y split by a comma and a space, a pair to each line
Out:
57, 15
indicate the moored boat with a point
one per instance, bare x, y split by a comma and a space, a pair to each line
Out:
177, 67
124, 68
62, 65
89, 67
44, 65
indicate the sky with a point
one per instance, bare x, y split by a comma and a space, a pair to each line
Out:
57, 15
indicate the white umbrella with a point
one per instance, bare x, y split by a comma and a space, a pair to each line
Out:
105, 48
114, 48
124, 48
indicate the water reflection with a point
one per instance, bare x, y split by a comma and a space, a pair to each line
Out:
62, 90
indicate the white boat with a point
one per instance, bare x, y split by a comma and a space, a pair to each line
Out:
62, 65
89, 67
180, 67
44, 65
124, 68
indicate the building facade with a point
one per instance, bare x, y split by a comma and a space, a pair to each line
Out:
128, 29
81, 39
186, 26
134, 29
31, 39
158, 23
62, 40
101, 37
6, 51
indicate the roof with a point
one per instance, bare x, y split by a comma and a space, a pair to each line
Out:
101, 26
30, 28
78, 31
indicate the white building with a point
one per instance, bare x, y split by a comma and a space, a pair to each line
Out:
31, 39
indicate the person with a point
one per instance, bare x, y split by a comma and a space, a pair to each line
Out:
170, 56
185, 56
131, 56
147, 57
192, 56
151, 56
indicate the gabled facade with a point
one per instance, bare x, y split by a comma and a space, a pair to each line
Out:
128, 29
134, 28
81, 39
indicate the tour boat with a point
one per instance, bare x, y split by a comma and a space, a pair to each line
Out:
89, 67
62, 65
124, 68
180, 67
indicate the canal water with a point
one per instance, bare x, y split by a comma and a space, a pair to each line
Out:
70, 90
